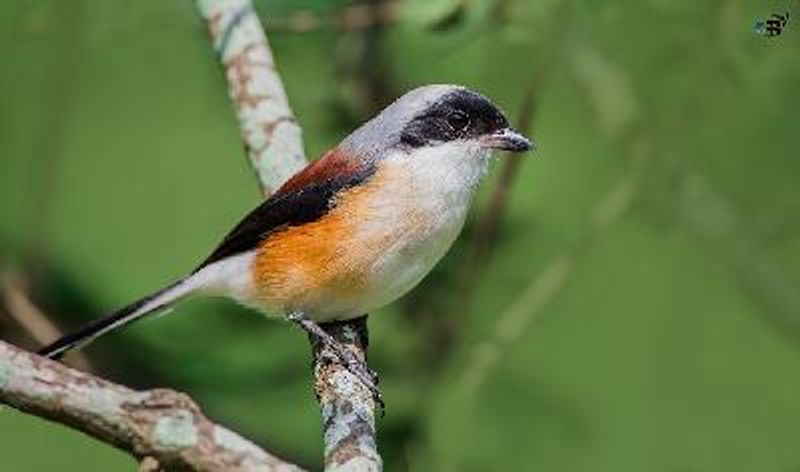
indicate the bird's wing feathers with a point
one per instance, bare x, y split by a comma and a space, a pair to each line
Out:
334, 164
306, 197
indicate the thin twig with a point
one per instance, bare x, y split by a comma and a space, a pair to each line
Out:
348, 18
516, 320
37, 324
363, 66
492, 216
611, 206
495, 210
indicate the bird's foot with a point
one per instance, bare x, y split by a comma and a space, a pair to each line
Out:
357, 367
345, 356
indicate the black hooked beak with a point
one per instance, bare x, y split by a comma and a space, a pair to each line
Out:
507, 139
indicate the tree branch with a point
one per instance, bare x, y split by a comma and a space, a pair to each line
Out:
347, 406
271, 135
274, 146
163, 425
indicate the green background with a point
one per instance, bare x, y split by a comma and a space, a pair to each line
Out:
639, 308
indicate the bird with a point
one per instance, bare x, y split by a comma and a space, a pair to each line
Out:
354, 230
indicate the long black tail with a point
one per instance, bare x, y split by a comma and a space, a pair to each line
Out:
118, 319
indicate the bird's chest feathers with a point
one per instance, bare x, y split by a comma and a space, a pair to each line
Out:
377, 242
415, 213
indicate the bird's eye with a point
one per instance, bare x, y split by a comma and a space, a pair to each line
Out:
458, 120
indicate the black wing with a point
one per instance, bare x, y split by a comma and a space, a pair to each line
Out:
291, 208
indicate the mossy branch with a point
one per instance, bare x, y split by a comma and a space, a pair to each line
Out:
164, 427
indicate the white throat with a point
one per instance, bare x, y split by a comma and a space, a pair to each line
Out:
444, 175
416, 215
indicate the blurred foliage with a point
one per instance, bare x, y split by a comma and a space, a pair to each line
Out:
641, 306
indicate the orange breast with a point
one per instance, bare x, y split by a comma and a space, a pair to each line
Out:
315, 265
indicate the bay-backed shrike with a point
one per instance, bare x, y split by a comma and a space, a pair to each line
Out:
354, 230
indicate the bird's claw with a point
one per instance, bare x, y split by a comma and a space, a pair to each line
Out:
347, 358
358, 368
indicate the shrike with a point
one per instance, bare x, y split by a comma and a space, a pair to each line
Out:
354, 230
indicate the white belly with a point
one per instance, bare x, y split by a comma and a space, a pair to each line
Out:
402, 265
413, 222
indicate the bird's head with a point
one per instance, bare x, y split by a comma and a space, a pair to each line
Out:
443, 117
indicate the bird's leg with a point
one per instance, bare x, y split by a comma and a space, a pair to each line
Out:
349, 360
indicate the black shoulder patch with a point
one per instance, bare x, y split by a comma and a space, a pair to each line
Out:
303, 205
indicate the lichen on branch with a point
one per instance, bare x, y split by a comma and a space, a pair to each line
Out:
163, 425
